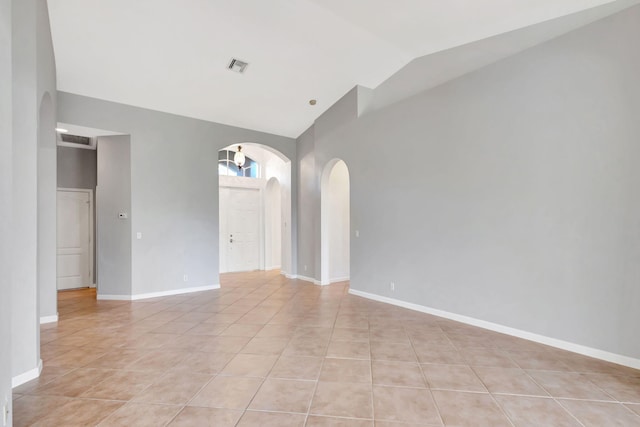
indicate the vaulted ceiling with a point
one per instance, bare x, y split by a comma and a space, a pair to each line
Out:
172, 55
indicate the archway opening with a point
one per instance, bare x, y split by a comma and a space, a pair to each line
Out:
335, 223
255, 209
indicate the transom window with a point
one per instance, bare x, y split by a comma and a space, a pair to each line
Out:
227, 167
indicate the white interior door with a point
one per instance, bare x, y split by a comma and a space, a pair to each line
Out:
241, 238
74, 239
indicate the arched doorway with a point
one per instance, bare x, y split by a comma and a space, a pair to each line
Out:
255, 209
335, 223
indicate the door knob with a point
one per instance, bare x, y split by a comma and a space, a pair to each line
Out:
231, 240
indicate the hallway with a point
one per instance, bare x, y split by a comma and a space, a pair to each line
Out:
268, 351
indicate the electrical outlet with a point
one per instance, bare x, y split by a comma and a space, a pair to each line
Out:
5, 411
357, 233
392, 286
185, 278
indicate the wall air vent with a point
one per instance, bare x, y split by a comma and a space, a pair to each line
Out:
237, 65
75, 139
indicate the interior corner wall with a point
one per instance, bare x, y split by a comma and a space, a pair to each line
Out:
308, 204
6, 175
515, 200
174, 188
113, 197
46, 164
33, 76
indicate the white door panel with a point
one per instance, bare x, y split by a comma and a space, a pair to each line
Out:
74, 239
241, 236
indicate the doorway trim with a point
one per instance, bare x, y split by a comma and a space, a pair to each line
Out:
91, 227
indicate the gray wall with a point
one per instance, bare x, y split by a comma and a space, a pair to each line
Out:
33, 72
46, 84
114, 234
517, 200
77, 168
174, 187
6, 149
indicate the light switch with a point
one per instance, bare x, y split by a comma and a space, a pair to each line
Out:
357, 233
139, 235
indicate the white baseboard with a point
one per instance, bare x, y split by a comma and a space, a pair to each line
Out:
49, 319
157, 294
553, 342
289, 276
27, 376
336, 280
92, 286
308, 279
273, 267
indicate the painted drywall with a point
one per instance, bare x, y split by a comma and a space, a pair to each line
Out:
6, 148
273, 224
47, 226
308, 204
174, 187
338, 222
77, 168
113, 198
33, 78
509, 194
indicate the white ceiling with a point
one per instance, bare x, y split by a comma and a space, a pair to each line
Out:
171, 55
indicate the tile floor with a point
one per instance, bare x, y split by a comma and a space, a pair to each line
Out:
268, 351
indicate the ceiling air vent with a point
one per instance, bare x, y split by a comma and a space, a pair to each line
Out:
237, 65
75, 139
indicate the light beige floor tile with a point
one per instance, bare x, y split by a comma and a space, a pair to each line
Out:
621, 388
393, 351
120, 385
346, 370
463, 409
173, 388
238, 330
452, 377
271, 419
265, 345
141, 414
509, 381
227, 392
318, 421
569, 385
400, 374
250, 365
350, 335
598, 414
284, 396
535, 412
294, 367
342, 400
29, 409
404, 404
206, 417
80, 412
349, 349
204, 363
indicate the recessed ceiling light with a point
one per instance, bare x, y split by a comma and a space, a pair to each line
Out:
237, 65
312, 102
61, 130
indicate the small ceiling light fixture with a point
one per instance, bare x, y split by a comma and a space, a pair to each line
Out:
239, 158
312, 102
61, 130
237, 65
